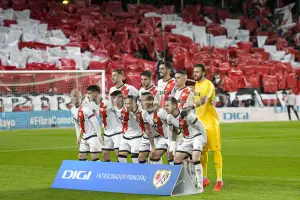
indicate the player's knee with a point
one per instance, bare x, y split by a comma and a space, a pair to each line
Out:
142, 157
170, 156
177, 160
82, 157
105, 155
95, 156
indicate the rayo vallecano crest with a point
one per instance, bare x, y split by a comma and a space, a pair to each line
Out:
161, 177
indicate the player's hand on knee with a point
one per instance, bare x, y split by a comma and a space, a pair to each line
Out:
153, 153
78, 141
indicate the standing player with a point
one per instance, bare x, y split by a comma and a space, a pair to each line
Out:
87, 124
185, 98
194, 137
183, 94
204, 96
165, 85
117, 78
132, 128
92, 98
156, 129
112, 125
147, 86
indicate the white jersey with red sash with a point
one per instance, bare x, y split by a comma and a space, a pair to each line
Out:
109, 118
164, 90
131, 127
82, 116
152, 89
184, 96
159, 126
126, 89
190, 126
90, 104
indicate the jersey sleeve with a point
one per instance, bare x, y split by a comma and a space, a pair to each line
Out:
190, 99
195, 122
209, 90
133, 91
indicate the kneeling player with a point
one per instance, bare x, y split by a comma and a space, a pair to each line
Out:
132, 128
87, 123
194, 137
156, 132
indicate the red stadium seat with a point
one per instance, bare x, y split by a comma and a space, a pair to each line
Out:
253, 81
120, 37
133, 78
270, 83
95, 65
230, 84
291, 80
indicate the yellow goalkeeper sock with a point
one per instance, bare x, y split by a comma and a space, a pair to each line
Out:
204, 161
218, 164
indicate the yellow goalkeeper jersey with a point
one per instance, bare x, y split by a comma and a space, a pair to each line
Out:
207, 112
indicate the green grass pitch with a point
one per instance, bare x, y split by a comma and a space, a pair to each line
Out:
261, 161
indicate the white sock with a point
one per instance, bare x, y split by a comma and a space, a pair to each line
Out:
135, 160
185, 164
155, 162
160, 161
199, 174
192, 169
219, 179
171, 162
122, 160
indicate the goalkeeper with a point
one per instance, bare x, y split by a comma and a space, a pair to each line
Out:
204, 95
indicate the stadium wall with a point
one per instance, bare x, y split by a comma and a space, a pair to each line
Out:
63, 118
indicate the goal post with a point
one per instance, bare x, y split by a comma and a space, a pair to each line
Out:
41, 99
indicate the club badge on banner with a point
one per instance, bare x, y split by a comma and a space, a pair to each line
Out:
165, 180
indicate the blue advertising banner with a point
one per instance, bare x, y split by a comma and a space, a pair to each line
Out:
118, 177
35, 119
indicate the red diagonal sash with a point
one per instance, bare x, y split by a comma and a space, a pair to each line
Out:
125, 91
140, 120
183, 126
158, 124
167, 91
153, 91
125, 119
81, 120
103, 114
183, 97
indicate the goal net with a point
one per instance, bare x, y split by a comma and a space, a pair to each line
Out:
41, 99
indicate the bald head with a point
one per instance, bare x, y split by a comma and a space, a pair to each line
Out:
76, 97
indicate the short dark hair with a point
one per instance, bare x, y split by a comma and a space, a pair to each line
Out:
182, 72
168, 65
119, 71
172, 100
116, 93
147, 73
132, 97
150, 98
93, 88
202, 66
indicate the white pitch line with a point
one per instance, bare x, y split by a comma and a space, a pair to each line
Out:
36, 149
